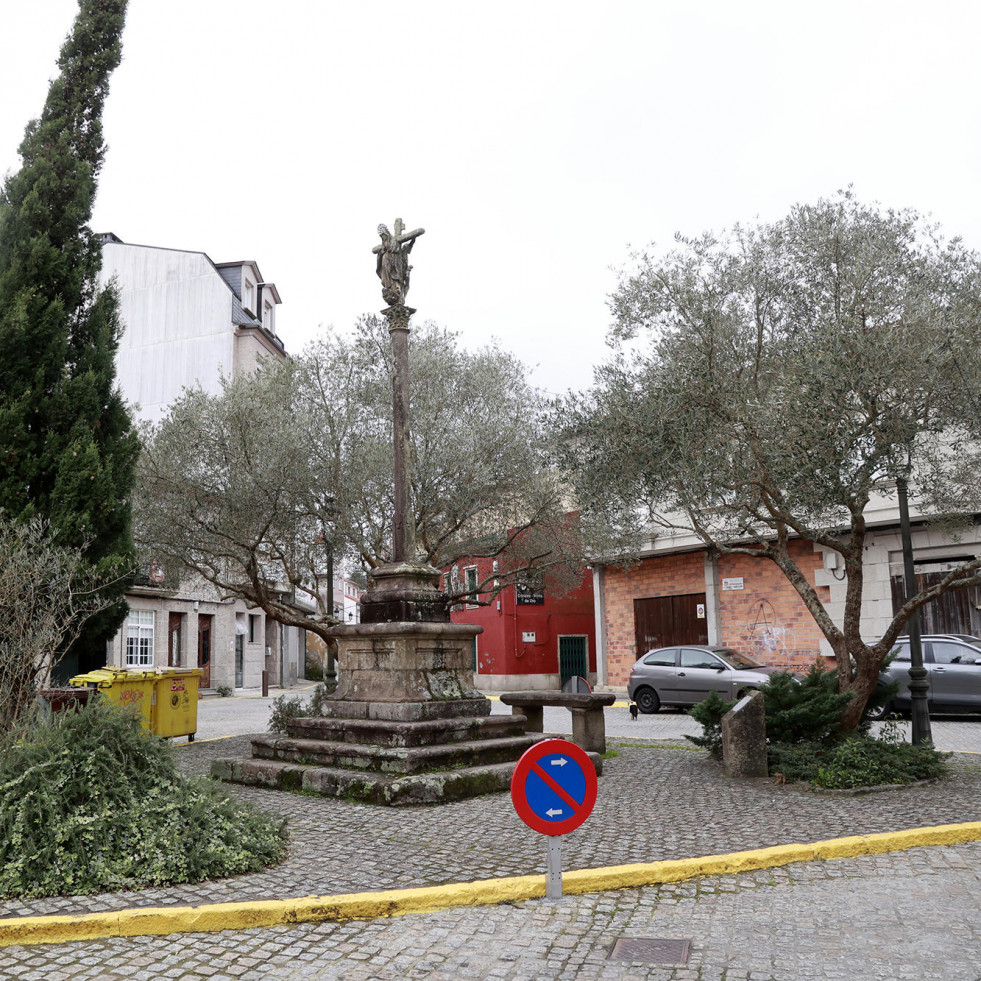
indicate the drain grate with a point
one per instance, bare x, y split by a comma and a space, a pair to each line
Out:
651, 950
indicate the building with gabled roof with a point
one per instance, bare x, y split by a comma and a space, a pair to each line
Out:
191, 322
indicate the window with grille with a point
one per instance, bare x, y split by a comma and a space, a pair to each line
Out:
470, 579
139, 639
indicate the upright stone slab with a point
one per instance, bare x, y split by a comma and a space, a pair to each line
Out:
744, 738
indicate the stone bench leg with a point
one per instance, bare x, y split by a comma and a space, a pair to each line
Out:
589, 730
535, 715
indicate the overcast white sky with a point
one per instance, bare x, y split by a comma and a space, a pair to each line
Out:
534, 140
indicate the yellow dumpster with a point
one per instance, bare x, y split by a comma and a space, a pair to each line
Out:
175, 709
132, 689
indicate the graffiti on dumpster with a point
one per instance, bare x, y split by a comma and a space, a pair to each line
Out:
130, 696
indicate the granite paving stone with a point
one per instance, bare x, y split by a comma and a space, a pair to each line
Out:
905, 914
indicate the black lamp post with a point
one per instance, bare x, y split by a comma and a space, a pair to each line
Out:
918, 684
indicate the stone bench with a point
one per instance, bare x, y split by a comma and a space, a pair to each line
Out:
588, 724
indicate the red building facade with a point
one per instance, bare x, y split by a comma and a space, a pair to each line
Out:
532, 639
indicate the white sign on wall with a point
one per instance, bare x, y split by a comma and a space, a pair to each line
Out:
700, 611
732, 584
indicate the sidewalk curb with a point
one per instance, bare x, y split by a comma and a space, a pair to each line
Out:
155, 921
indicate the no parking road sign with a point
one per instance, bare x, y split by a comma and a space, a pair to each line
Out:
554, 787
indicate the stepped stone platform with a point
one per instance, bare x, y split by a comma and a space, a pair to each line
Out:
386, 762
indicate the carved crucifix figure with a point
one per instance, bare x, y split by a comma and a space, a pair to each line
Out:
392, 264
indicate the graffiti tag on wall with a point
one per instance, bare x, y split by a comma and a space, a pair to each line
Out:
765, 634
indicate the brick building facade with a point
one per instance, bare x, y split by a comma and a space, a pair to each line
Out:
677, 594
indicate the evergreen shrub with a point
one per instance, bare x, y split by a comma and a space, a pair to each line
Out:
807, 709
806, 741
709, 714
861, 761
89, 802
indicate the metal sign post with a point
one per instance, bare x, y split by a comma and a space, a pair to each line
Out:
553, 879
553, 790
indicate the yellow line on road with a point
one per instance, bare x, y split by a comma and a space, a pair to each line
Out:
398, 902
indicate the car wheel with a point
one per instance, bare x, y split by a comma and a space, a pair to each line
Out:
647, 700
880, 712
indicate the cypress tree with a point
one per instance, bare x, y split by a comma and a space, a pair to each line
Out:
67, 444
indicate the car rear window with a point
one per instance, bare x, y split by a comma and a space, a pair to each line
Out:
902, 652
664, 658
947, 652
737, 660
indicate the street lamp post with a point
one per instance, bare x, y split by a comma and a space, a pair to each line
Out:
918, 684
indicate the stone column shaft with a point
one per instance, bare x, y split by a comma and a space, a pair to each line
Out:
403, 532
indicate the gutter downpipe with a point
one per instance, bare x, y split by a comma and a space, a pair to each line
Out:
599, 624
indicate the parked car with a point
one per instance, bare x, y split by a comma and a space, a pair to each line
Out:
953, 666
686, 675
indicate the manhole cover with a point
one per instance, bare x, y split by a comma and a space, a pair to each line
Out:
651, 950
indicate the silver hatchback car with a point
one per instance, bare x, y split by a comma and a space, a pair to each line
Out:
686, 675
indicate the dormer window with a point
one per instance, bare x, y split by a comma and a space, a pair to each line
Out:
268, 316
248, 295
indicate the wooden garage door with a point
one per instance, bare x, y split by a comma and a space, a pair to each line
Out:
956, 612
667, 621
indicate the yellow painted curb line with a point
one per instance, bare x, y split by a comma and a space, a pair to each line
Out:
398, 902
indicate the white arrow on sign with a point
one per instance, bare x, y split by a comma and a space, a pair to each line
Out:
551, 812
561, 761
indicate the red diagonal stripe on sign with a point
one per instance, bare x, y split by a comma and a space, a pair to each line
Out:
558, 788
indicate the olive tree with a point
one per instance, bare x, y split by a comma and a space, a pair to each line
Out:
261, 488
770, 382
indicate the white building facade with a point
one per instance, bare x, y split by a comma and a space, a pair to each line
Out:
191, 322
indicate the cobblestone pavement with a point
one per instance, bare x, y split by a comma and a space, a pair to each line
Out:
906, 915
910, 914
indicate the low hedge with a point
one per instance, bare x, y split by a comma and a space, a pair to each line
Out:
805, 740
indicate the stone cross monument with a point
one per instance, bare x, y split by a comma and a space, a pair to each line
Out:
392, 267
406, 724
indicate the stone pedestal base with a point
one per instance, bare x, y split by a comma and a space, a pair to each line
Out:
405, 726
438, 787
406, 672
377, 761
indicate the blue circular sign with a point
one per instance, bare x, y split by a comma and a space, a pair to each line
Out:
554, 787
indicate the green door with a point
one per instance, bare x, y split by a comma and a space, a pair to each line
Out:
572, 658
